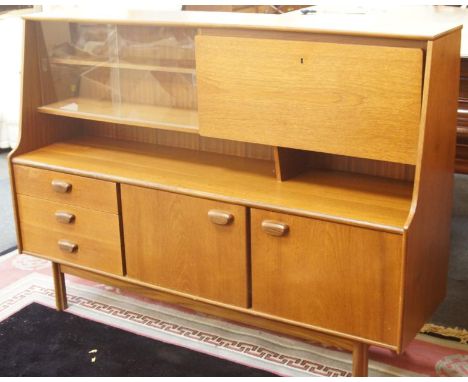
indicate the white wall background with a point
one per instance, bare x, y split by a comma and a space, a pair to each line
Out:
11, 38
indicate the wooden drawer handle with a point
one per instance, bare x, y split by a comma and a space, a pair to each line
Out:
220, 217
64, 217
275, 228
67, 246
61, 186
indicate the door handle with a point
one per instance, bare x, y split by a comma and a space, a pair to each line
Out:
60, 186
220, 217
275, 228
64, 217
67, 246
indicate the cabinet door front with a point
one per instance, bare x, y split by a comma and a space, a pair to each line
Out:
187, 244
333, 276
354, 100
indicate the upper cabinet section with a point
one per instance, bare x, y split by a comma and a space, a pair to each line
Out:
355, 100
139, 75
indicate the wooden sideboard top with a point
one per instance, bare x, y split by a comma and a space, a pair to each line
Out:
370, 24
356, 199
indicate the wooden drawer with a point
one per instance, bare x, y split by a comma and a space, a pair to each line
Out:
171, 241
96, 234
354, 100
334, 276
83, 192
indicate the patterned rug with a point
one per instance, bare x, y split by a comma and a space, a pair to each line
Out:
24, 280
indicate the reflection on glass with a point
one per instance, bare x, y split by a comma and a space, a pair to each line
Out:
120, 73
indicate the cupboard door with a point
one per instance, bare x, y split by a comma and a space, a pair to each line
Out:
333, 276
354, 100
187, 244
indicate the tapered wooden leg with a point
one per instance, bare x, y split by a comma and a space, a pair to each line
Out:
360, 359
60, 289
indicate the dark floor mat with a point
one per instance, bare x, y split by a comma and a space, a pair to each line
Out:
39, 341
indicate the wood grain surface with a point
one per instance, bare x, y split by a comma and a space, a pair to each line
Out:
36, 130
177, 139
350, 248
290, 162
95, 233
362, 166
332, 195
170, 241
328, 275
332, 98
84, 192
232, 313
428, 226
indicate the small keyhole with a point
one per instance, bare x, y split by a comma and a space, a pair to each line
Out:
302, 60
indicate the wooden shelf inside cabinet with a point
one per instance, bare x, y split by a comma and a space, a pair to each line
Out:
361, 200
170, 66
125, 113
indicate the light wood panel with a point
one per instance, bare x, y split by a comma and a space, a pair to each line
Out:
178, 139
171, 242
170, 67
362, 166
84, 192
328, 275
317, 37
35, 130
136, 114
96, 234
290, 162
311, 94
338, 196
428, 226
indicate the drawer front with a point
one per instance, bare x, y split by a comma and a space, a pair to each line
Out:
64, 188
52, 229
187, 244
333, 276
355, 100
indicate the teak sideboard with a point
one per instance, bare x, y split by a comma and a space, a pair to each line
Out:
272, 171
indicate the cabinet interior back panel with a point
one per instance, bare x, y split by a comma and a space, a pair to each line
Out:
355, 100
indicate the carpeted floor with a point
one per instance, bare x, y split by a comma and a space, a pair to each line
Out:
25, 280
39, 341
